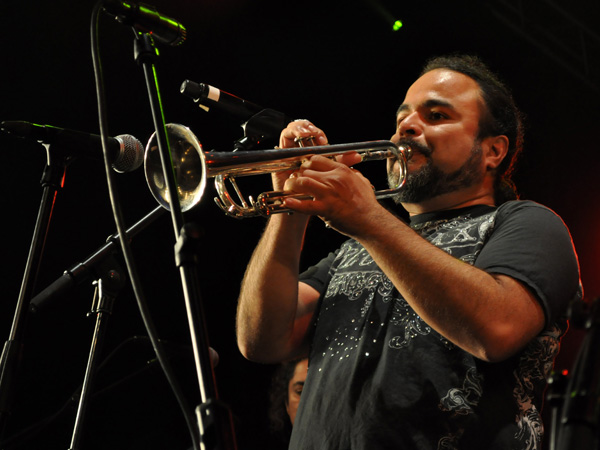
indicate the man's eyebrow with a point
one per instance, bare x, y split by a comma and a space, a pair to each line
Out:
432, 102
402, 108
438, 102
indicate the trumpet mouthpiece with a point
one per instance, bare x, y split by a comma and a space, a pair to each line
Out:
406, 150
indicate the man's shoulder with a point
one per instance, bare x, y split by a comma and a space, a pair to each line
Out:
527, 208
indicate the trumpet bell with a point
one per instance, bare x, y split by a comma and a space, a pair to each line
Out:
189, 165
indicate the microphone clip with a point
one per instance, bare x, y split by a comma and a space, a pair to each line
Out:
264, 125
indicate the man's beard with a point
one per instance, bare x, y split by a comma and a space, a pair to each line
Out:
430, 181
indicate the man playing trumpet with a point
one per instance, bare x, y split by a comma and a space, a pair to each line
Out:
433, 334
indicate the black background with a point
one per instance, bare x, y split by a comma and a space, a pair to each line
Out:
336, 63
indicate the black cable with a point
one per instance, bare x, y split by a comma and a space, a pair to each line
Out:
125, 246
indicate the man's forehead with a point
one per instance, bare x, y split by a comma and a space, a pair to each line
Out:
441, 87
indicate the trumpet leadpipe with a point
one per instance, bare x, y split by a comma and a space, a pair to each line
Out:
257, 162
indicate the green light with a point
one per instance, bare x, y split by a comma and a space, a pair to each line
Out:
397, 25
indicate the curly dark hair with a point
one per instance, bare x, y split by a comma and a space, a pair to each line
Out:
500, 117
279, 421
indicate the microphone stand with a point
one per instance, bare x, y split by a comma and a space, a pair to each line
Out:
110, 281
84, 269
52, 180
107, 287
580, 419
214, 418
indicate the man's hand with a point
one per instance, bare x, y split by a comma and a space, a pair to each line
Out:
298, 131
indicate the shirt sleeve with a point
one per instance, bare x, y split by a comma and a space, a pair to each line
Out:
531, 244
318, 276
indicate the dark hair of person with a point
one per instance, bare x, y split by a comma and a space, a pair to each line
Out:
500, 117
279, 421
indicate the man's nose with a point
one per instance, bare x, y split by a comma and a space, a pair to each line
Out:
410, 126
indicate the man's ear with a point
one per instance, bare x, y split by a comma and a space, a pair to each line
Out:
495, 149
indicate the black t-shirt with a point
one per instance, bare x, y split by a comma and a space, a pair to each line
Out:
381, 378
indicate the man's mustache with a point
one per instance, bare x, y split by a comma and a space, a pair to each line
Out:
415, 146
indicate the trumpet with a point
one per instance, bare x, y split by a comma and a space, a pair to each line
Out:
192, 166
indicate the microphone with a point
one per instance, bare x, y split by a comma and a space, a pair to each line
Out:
259, 123
146, 19
209, 96
125, 151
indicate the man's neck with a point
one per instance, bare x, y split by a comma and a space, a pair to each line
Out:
452, 200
